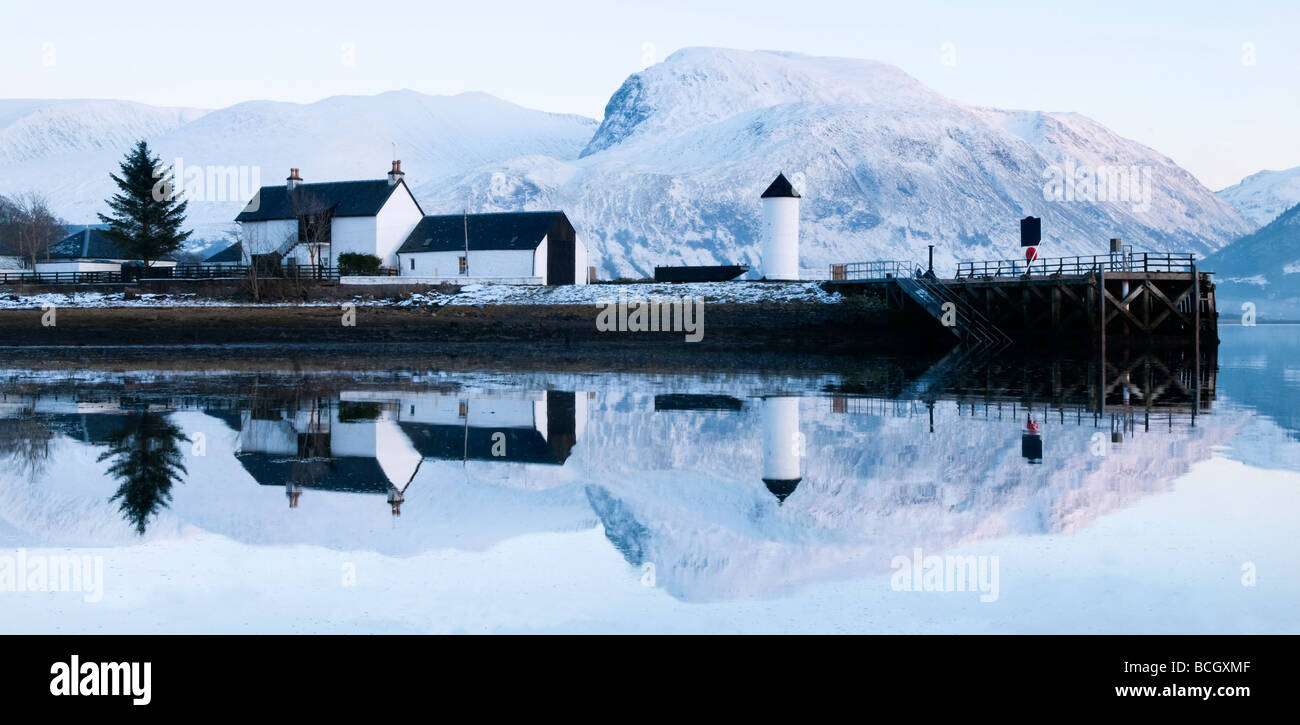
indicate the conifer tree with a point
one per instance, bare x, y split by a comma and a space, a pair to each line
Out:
147, 214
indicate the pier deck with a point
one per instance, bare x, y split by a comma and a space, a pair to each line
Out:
1155, 299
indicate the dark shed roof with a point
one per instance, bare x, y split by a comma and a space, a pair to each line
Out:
89, 243
455, 443
345, 198
351, 474
503, 230
233, 253
781, 188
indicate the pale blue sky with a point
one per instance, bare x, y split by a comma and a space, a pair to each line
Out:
1169, 74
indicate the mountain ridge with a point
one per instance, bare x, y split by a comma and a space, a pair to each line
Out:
672, 173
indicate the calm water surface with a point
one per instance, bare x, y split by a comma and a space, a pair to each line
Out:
956, 496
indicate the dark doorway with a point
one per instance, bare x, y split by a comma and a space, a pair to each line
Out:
561, 244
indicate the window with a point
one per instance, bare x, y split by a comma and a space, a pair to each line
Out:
412, 264
464, 265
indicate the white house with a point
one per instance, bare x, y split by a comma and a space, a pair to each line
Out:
315, 223
537, 247
90, 250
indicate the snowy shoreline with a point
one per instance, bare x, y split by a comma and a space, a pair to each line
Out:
470, 295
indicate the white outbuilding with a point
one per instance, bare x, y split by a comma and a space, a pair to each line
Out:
528, 247
90, 250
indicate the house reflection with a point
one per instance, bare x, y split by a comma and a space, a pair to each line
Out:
375, 442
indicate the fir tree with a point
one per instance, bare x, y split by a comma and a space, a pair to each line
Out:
147, 215
147, 461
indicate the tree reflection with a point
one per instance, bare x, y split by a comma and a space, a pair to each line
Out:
147, 461
25, 442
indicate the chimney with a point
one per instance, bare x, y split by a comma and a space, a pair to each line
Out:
293, 180
396, 174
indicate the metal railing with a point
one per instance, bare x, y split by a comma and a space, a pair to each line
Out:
972, 327
886, 269
220, 271
1081, 265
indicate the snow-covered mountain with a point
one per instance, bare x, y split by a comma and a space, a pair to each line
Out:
1261, 197
887, 166
439, 138
674, 171
32, 130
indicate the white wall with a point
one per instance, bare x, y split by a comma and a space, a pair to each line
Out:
267, 236
514, 263
394, 224
780, 246
580, 262
355, 234
539, 259
64, 267
482, 263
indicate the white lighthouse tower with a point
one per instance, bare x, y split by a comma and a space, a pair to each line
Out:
781, 230
782, 446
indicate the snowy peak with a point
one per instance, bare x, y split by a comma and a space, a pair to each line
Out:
699, 86
673, 174
1261, 197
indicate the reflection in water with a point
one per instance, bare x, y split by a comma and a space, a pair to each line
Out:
783, 446
25, 444
146, 459
730, 487
378, 441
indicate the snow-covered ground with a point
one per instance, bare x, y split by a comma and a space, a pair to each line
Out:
476, 294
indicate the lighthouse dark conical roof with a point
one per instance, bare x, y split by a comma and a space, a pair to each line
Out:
780, 188
781, 487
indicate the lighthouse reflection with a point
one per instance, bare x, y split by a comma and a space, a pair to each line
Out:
783, 446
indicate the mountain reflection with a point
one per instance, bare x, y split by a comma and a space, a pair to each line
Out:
731, 488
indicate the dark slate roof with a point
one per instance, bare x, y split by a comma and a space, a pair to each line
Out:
233, 253
781, 188
504, 230
351, 474
455, 443
346, 198
89, 243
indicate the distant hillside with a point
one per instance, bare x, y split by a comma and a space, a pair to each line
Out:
1261, 197
1262, 268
